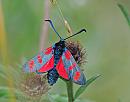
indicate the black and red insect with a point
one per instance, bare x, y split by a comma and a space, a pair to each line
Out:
57, 61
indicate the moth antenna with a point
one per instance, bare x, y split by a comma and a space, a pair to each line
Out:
54, 28
82, 30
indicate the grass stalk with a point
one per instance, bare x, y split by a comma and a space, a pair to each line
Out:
4, 54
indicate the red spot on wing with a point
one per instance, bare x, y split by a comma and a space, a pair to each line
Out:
47, 66
39, 58
61, 69
48, 51
67, 55
31, 64
72, 66
76, 76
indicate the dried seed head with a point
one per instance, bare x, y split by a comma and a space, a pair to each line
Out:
35, 85
68, 28
53, 2
78, 52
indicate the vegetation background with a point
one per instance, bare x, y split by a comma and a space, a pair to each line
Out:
107, 41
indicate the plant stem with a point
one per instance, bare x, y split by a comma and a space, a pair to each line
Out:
44, 32
70, 91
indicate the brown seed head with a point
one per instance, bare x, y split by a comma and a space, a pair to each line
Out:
78, 52
35, 85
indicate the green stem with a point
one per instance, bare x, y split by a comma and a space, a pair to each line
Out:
70, 91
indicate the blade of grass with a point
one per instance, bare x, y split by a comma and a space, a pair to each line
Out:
125, 12
4, 54
2, 74
20, 96
4, 93
82, 88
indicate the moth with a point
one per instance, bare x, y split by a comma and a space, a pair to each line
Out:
57, 61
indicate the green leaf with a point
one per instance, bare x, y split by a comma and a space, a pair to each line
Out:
4, 92
125, 12
82, 88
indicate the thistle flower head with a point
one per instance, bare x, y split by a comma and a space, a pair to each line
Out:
35, 85
78, 52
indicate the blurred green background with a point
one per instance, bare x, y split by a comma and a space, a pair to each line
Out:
107, 41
